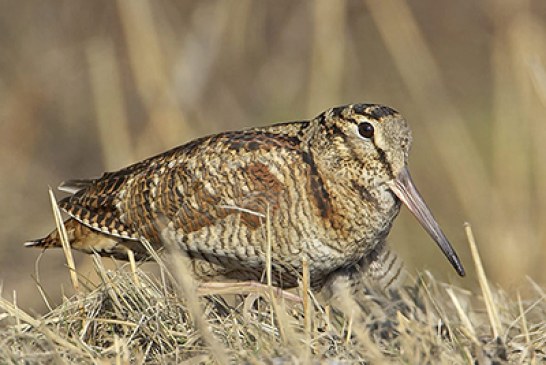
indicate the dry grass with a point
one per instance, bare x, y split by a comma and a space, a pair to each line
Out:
126, 321
134, 317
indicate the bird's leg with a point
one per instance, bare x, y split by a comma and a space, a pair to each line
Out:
245, 287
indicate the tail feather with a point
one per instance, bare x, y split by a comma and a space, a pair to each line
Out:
41, 242
87, 240
53, 239
73, 186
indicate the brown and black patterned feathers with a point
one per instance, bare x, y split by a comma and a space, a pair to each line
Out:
328, 189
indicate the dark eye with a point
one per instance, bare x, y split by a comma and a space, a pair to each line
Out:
366, 130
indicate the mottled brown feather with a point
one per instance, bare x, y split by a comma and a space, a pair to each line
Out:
211, 195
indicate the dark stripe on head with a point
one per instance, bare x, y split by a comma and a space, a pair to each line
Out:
384, 161
373, 111
303, 129
330, 127
338, 111
361, 108
381, 111
334, 130
321, 118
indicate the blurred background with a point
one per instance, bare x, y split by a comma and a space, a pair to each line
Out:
89, 86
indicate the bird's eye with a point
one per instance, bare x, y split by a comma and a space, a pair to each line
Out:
366, 130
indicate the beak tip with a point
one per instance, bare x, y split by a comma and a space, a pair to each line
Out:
459, 267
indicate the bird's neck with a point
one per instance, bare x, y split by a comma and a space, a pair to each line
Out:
362, 214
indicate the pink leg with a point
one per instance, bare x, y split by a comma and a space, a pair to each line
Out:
245, 287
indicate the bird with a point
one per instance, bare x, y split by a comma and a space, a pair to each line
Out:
326, 190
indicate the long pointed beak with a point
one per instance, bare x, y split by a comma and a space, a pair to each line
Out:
405, 189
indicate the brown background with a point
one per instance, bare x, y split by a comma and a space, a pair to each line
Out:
88, 86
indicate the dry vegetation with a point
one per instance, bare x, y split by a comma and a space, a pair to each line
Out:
133, 317
88, 86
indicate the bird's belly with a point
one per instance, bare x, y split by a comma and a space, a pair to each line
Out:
238, 251
247, 260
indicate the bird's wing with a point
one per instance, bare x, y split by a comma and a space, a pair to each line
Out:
192, 187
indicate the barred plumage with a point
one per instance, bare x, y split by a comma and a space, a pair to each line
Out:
332, 192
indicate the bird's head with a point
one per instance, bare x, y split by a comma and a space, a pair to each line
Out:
369, 144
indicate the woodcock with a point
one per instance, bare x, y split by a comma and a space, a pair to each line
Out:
332, 186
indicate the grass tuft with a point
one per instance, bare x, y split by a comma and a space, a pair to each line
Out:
134, 317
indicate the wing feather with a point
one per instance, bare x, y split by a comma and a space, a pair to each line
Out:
190, 185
